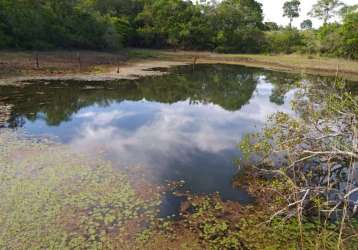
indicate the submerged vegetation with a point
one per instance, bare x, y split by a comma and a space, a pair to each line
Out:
53, 198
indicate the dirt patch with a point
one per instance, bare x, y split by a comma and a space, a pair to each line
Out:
127, 70
21, 67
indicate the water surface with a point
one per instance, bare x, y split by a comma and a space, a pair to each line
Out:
182, 126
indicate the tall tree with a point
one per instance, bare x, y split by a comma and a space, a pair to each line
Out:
348, 9
325, 9
349, 34
238, 25
291, 9
306, 24
175, 23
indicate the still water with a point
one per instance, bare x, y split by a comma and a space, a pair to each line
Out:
181, 126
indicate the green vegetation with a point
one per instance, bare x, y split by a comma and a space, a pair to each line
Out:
310, 163
291, 10
55, 199
221, 225
284, 41
302, 170
69, 201
226, 26
325, 9
215, 224
306, 24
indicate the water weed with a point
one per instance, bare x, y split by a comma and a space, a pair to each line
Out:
53, 198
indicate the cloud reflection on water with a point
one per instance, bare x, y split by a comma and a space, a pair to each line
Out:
173, 136
183, 125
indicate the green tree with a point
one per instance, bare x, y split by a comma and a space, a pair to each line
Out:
325, 9
310, 41
287, 41
306, 24
348, 9
330, 39
291, 9
35, 24
175, 23
238, 26
349, 33
231, 25
271, 26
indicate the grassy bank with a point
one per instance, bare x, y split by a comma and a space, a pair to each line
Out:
295, 63
131, 61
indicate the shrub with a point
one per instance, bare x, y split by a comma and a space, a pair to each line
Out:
311, 43
329, 39
311, 159
349, 33
283, 41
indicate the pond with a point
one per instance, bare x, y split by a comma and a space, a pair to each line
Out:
184, 125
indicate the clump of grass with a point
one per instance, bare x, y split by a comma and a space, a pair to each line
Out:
52, 198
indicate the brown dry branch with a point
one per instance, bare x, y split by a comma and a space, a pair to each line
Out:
313, 156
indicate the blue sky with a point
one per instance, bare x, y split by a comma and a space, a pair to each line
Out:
273, 11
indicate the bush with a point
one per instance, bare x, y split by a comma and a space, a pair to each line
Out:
310, 41
310, 160
284, 41
329, 39
117, 32
349, 33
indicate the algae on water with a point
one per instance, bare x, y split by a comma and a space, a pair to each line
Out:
52, 198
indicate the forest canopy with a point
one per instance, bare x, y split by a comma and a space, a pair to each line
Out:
221, 26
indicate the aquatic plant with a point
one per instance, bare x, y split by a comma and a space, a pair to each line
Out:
52, 198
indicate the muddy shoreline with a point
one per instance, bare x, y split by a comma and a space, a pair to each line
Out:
129, 71
17, 68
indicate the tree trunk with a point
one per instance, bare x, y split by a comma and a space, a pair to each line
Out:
37, 60
79, 60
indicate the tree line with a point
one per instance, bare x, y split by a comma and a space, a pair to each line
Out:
222, 26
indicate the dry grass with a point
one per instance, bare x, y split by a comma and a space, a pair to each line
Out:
66, 63
297, 63
55, 62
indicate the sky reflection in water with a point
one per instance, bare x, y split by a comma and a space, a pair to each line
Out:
177, 131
